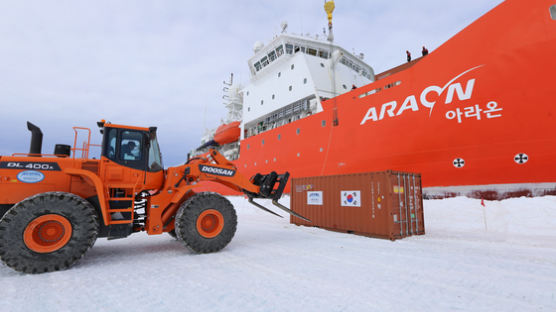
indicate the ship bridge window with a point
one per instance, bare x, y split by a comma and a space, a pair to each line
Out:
272, 55
258, 66
279, 74
289, 48
292, 67
311, 51
553, 12
323, 54
264, 61
279, 51
304, 80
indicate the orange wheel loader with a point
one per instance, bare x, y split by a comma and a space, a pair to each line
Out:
54, 206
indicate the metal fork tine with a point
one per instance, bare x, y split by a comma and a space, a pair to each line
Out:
262, 207
286, 209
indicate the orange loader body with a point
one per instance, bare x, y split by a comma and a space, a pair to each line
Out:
127, 190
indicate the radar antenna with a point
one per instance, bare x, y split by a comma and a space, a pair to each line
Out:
284, 26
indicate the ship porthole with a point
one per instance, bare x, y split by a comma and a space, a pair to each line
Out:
458, 162
521, 158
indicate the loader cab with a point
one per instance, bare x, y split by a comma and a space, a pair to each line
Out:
132, 147
131, 160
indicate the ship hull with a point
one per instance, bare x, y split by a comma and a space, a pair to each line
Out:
475, 117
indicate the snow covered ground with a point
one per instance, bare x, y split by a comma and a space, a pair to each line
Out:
463, 263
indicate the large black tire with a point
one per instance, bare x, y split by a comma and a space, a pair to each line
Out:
211, 236
17, 231
4, 209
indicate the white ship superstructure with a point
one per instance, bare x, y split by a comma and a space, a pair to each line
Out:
290, 77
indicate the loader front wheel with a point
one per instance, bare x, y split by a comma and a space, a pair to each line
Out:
47, 232
206, 222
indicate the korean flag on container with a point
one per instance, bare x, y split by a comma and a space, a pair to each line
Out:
351, 198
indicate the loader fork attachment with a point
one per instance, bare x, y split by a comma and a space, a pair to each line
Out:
271, 186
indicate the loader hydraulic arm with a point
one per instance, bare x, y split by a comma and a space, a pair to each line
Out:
213, 166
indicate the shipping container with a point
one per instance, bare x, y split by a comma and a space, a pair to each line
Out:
387, 204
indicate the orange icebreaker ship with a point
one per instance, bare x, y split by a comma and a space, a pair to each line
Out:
476, 116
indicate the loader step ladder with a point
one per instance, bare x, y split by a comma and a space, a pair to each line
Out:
118, 199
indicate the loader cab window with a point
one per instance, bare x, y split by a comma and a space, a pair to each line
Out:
125, 147
131, 145
155, 160
132, 148
110, 144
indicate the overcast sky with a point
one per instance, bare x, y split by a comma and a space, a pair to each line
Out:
162, 63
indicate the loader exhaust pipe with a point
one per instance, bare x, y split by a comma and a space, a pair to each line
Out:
36, 140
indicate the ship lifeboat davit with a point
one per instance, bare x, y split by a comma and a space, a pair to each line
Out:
227, 133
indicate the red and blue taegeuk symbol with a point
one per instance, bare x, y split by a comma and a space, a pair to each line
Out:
350, 198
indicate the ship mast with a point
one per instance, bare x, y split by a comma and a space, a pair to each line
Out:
329, 8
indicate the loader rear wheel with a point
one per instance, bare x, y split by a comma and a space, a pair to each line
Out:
206, 222
47, 232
